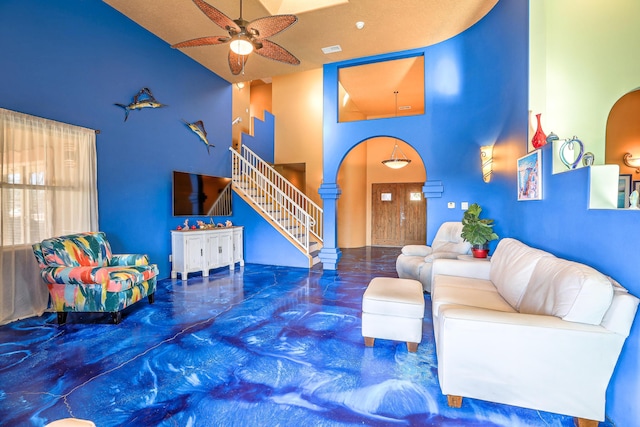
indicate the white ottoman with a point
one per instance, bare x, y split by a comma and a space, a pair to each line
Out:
393, 309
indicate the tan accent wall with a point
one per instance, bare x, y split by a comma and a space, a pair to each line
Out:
623, 132
297, 106
261, 100
296, 102
240, 100
352, 204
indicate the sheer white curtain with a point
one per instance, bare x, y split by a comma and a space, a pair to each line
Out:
47, 188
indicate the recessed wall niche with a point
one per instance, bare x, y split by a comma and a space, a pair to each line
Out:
363, 95
623, 132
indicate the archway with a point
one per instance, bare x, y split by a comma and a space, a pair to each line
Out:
623, 132
359, 170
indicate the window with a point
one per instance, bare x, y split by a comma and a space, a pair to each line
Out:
47, 188
363, 95
47, 182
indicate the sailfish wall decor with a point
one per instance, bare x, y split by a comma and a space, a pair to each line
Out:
198, 129
143, 99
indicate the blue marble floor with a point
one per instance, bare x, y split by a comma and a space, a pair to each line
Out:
261, 346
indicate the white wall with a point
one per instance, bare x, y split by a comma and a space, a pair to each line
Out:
584, 55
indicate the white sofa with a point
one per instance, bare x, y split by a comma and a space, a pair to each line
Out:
529, 329
415, 261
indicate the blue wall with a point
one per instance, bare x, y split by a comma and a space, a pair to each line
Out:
262, 140
71, 61
476, 93
605, 239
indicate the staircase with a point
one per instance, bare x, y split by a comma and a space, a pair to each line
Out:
285, 207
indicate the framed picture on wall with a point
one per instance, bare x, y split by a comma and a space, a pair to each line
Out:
530, 176
624, 190
636, 186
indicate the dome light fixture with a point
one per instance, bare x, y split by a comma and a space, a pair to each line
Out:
395, 162
240, 45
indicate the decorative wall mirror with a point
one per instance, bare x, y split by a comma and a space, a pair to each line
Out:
362, 95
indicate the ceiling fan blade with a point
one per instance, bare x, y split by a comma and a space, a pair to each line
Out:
219, 18
202, 41
276, 52
237, 62
270, 25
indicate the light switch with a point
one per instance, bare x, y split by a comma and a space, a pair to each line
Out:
464, 206
451, 205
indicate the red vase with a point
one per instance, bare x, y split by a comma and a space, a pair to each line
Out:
539, 138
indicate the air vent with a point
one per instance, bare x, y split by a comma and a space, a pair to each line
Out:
331, 49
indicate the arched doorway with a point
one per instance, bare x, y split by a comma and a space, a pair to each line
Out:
359, 172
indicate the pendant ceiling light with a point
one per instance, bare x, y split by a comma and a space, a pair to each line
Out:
396, 162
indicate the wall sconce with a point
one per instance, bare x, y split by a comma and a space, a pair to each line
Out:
240, 85
486, 156
395, 162
632, 162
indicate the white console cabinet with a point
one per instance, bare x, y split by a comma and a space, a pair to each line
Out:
238, 247
203, 250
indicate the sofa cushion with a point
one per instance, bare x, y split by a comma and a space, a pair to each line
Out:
511, 266
408, 267
416, 250
466, 291
83, 249
459, 248
449, 239
394, 297
569, 290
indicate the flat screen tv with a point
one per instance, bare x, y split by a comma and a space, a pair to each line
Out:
201, 195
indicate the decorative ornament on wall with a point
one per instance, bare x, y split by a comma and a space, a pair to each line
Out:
568, 150
588, 158
198, 129
569, 156
530, 176
143, 99
539, 138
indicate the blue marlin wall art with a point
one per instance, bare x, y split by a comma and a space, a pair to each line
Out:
198, 129
143, 99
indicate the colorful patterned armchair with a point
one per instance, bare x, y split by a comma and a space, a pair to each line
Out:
84, 276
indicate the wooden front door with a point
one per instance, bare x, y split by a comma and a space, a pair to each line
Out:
398, 214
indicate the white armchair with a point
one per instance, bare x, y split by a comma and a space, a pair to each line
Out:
416, 261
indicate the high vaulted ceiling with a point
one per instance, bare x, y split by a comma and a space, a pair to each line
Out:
390, 26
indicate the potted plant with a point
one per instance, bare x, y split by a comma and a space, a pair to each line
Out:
478, 232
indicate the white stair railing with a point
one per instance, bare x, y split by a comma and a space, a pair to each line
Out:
297, 215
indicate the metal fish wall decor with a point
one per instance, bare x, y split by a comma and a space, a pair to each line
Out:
143, 99
198, 129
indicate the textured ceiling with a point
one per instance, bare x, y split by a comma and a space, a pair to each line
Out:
390, 26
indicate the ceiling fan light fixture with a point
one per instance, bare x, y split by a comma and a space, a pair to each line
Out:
240, 45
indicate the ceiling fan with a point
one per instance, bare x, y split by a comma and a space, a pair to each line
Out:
245, 37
